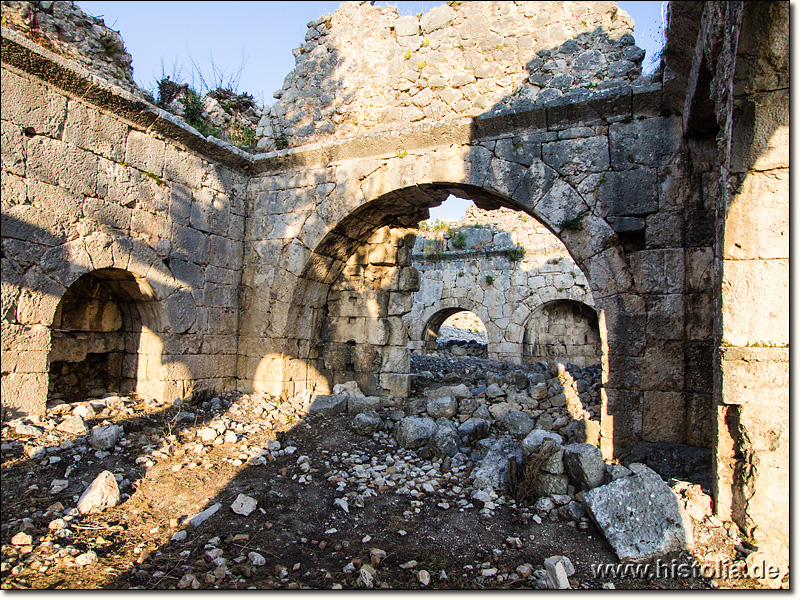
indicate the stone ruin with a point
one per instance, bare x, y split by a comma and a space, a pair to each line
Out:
516, 278
142, 254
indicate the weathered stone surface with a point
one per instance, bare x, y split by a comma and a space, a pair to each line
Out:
444, 441
105, 436
102, 493
441, 407
639, 516
492, 471
328, 405
584, 465
366, 423
414, 432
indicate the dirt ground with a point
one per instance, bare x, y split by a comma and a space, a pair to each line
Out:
306, 541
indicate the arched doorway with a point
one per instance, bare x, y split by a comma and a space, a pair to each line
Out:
104, 338
563, 331
457, 331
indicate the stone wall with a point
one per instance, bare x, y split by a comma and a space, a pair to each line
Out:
366, 68
86, 191
736, 104
503, 266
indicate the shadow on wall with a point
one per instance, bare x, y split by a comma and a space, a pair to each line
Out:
124, 308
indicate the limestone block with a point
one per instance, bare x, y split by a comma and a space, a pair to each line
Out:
663, 367
699, 268
181, 311
28, 103
12, 148
639, 516
658, 271
144, 152
96, 131
395, 384
396, 360
609, 273
650, 142
752, 314
406, 25
755, 376
665, 317
64, 204
64, 165
504, 176
629, 193
663, 418
621, 417
328, 405
578, 156
189, 244
768, 143
183, 168
757, 223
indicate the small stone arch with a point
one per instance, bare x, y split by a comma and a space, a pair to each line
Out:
430, 330
105, 338
562, 330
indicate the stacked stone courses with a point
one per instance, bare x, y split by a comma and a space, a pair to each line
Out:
291, 270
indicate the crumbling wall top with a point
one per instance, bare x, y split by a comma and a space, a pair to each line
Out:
366, 68
63, 28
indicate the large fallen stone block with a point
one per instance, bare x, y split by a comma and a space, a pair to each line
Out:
639, 515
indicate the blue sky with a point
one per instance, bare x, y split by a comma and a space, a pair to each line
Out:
261, 36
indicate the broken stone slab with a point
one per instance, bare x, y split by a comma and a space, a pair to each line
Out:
102, 493
414, 432
452, 391
474, 429
494, 391
328, 405
105, 436
203, 516
584, 465
362, 404
84, 411
444, 441
518, 423
21, 428
535, 438
639, 515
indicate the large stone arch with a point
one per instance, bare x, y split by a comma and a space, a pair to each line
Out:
390, 195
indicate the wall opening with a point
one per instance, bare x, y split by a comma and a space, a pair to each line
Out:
564, 331
104, 338
456, 332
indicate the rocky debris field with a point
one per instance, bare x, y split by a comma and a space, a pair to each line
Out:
236, 491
